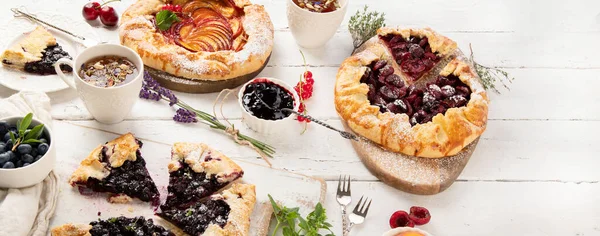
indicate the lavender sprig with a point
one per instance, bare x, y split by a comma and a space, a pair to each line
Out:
152, 90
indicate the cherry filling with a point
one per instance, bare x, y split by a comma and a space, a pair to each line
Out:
127, 226
389, 92
413, 55
195, 219
265, 99
131, 179
186, 187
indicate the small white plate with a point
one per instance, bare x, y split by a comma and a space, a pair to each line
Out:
22, 81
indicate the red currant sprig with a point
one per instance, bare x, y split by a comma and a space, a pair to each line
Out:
304, 88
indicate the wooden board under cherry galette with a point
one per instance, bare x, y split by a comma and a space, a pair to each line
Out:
533, 171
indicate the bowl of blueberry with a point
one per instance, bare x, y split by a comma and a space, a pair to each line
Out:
26, 151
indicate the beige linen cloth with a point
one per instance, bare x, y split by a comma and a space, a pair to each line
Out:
28, 211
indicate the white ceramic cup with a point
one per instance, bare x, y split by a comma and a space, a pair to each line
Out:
107, 105
269, 126
313, 29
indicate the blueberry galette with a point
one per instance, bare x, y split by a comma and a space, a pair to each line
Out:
410, 92
196, 172
118, 168
36, 53
204, 40
113, 226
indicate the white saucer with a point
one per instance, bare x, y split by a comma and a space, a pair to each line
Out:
22, 81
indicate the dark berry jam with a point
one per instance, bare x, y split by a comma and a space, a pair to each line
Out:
46, 66
196, 218
186, 187
275, 97
389, 92
127, 226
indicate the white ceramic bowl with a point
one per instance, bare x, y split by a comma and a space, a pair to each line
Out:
397, 231
37, 171
313, 29
268, 126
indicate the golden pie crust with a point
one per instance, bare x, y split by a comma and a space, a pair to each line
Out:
241, 199
72, 230
203, 159
445, 135
137, 32
123, 149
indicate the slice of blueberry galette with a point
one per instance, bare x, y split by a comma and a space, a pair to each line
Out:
118, 168
409, 92
35, 53
113, 226
196, 172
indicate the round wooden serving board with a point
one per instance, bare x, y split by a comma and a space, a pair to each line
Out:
417, 175
200, 86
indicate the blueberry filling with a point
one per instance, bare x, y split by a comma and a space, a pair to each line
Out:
389, 92
127, 226
131, 179
275, 97
46, 65
414, 56
196, 218
187, 187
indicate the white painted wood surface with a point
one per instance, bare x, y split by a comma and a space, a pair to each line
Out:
535, 169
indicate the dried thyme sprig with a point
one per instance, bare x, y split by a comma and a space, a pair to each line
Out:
490, 75
363, 25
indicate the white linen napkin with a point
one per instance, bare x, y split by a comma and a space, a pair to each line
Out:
28, 211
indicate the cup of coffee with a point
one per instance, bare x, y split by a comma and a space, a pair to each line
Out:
108, 78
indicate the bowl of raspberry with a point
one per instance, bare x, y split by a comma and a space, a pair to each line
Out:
27, 152
263, 102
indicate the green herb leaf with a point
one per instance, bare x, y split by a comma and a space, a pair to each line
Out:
24, 124
112, 220
189, 212
12, 137
166, 18
35, 132
364, 25
287, 218
29, 141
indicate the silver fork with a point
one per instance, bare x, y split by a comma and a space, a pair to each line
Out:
359, 213
344, 198
86, 42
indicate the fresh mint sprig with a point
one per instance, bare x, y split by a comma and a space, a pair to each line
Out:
26, 137
166, 18
287, 219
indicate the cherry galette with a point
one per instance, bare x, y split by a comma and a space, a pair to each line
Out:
409, 91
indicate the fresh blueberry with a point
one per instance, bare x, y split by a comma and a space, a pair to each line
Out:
13, 129
42, 149
26, 164
27, 158
34, 152
2, 147
43, 140
6, 137
9, 145
8, 165
12, 155
24, 149
3, 127
19, 163
4, 157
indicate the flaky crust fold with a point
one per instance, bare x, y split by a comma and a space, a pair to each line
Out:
137, 32
445, 135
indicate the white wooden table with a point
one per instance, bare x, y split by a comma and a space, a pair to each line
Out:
535, 171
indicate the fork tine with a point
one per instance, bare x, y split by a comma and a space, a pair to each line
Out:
367, 210
348, 184
363, 205
339, 189
358, 205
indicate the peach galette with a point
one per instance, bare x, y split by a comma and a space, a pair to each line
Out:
199, 39
410, 91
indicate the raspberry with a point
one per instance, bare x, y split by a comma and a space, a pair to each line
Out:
419, 215
401, 219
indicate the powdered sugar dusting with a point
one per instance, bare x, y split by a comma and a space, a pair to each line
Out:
260, 34
187, 65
